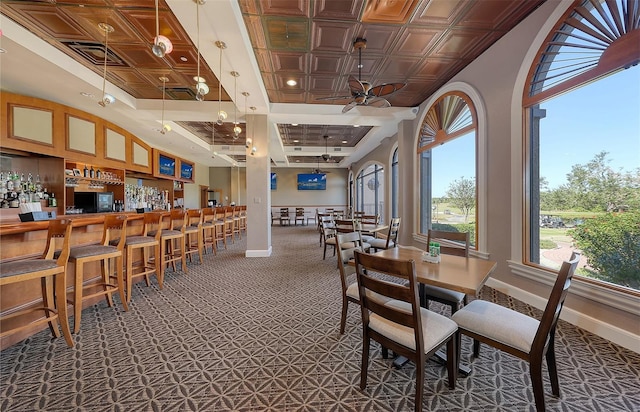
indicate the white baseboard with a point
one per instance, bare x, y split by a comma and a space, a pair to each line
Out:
597, 327
258, 253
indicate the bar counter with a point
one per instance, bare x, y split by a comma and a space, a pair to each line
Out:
23, 240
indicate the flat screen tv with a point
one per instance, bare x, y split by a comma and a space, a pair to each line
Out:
274, 181
312, 181
186, 171
167, 165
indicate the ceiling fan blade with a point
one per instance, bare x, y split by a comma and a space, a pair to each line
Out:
349, 107
378, 102
385, 89
334, 98
356, 86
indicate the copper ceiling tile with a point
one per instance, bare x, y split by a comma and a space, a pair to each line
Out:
256, 32
380, 38
298, 8
339, 10
388, 11
326, 63
88, 19
289, 62
144, 21
48, 20
249, 6
138, 57
332, 36
441, 13
491, 15
456, 43
417, 41
287, 34
434, 68
263, 57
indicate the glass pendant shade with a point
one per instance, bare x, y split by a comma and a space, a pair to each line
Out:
222, 116
161, 46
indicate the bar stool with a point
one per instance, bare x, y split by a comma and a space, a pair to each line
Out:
172, 242
114, 232
235, 216
47, 270
193, 228
146, 244
243, 218
228, 223
209, 230
219, 224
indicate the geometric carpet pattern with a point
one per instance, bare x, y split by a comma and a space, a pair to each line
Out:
262, 334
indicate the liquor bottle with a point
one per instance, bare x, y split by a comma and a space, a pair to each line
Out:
53, 202
98, 173
92, 172
86, 171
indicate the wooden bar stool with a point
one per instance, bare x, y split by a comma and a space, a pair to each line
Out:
48, 270
228, 223
193, 234
243, 218
114, 236
147, 244
235, 216
209, 230
172, 242
219, 224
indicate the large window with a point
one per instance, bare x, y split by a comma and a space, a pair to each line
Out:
583, 146
370, 191
447, 160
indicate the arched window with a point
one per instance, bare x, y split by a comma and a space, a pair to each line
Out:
447, 161
394, 184
370, 191
582, 144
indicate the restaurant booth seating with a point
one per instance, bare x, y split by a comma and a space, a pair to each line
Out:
400, 324
53, 277
518, 334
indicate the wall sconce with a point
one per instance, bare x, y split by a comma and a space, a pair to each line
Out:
107, 99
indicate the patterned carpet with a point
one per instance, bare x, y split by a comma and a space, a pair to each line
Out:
261, 334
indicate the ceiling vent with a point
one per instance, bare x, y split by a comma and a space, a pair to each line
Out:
297, 149
337, 149
94, 53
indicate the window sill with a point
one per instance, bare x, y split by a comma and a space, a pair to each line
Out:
609, 297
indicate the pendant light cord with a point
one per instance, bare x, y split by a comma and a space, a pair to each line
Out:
104, 73
157, 39
220, 83
198, 37
163, 88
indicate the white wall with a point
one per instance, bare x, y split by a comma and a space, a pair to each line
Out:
287, 193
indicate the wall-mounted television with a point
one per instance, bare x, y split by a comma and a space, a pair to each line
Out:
274, 181
186, 171
312, 181
166, 165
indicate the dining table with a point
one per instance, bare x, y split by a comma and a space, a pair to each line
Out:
462, 274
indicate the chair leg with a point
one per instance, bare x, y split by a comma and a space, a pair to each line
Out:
420, 385
452, 361
129, 273
343, 318
365, 361
48, 302
106, 280
77, 298
120, 277
61, 305
476, 348
157, 261
183, 255
535, 371
551, 365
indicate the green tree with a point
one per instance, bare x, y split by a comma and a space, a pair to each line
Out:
462, 194
611, 243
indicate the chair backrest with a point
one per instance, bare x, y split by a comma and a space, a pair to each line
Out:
194, 217
299, 211
458, 242
392, 235
178, 219
347, 244
327, 227
547, 328
370, 219
208, 214
344, 225
368, 270
153, 224
115, 228
284, 212
59, 232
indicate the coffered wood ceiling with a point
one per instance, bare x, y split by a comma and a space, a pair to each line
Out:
420, 43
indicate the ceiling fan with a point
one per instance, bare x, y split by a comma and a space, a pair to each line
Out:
362, 92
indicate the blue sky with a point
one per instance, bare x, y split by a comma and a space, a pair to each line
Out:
602, 116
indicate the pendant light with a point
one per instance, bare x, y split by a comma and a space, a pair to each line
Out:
107, 99
161, 44
326, 156
253, 130
213, 140
248, 141
201, 87
165, 127
222, 115
236, 127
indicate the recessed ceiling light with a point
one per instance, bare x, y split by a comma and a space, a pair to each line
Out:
199, 79
292, 82
344, 142
296, 141
294, 124
356, 125
182, 58
297, 160
85, 94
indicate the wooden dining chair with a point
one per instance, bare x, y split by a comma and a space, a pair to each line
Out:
299, 217
328, 235
284, 216
400, 324
458, 245
518, 334
347, 243
391, 239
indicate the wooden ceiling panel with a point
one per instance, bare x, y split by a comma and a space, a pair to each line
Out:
256, 31
391, 12
380, 39
263, 57
292, 96
397, 67
138, 57
290, 8
434, 68
489, 15
457, 43
338, 10
332, 36
88, 19
182, 57
326, 85
144, 21
328, 64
